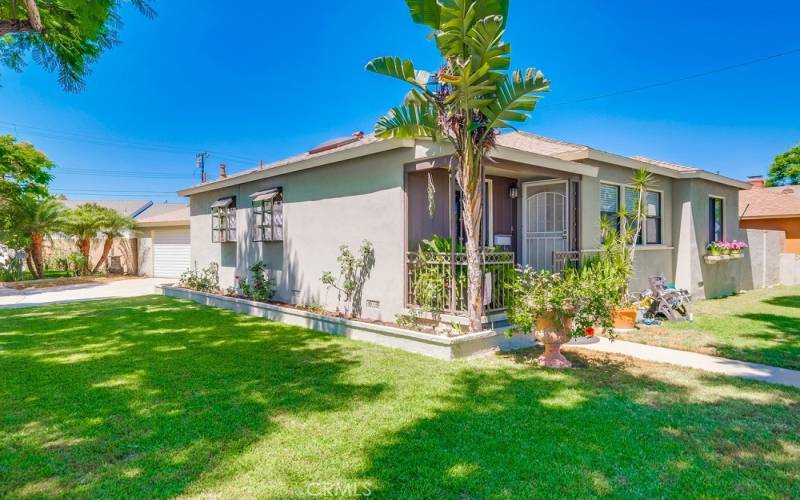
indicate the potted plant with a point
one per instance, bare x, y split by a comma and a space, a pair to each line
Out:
556, 307
620, 237
738, 247
714, 249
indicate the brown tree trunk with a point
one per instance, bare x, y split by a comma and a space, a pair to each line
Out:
37, 240
472, 228
13, 25
29, 262
84, 247
106, 250
472, 193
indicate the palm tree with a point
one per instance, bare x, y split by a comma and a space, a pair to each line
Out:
84, 223
35, 218
114, 225
464, 103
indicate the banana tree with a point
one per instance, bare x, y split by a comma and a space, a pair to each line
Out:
465, 102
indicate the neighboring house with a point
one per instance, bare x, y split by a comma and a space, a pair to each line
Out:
773, 208
163, 242
160, 248
544, 203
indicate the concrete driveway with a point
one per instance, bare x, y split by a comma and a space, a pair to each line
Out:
74, 293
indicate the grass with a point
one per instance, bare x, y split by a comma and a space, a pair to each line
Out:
155, 397
762, 326
50, 273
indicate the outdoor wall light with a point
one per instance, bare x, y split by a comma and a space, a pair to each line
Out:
513, 192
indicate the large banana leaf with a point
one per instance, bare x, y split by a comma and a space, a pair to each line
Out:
515, 98
399, 68
409, 121
486, 45
458, 17
426, 12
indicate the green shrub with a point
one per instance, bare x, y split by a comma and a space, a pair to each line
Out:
204, 280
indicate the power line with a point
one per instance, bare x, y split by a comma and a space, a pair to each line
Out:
119, 173
101, 191
89, 139
664, 83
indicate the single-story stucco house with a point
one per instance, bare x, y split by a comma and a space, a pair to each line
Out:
544, 203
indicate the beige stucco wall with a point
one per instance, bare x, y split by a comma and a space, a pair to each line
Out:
324, 207
651, 260
690, 233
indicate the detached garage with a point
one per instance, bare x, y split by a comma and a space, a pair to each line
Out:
164, 242
172, 252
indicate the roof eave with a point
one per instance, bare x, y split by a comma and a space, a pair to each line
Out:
540, 160
303, 164
163, 223
624, 161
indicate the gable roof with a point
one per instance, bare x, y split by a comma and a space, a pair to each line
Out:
525, 141
790, 189
564, 155
130, 208
666, 164
766, 203
164, 214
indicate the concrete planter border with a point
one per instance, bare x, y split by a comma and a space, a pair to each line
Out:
436, 346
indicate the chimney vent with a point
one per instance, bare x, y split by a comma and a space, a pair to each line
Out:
222, 172
757, 181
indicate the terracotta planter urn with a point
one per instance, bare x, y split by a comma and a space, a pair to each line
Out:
552, 336
625, 319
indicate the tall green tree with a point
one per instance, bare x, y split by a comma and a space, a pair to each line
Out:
465, 102
35, 218
113, 226
84, 223
62, 35
785, 169
24, 170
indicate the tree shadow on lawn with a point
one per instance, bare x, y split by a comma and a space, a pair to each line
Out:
138, 398
784, 301
605, 428
781, 332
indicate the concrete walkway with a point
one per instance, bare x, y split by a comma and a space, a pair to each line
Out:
755, 371
10, 298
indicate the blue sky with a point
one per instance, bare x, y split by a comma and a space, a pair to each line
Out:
264, 80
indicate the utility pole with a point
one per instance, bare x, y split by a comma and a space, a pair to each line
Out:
200, 161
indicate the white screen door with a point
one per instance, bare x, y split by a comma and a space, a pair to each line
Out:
545, 222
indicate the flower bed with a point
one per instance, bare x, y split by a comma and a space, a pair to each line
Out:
432, 345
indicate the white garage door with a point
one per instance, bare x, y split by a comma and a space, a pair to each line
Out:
171, 253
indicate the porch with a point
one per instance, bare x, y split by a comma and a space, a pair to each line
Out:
530, 217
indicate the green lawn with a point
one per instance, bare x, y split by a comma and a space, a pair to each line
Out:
27, 275
762, 326
154, 397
